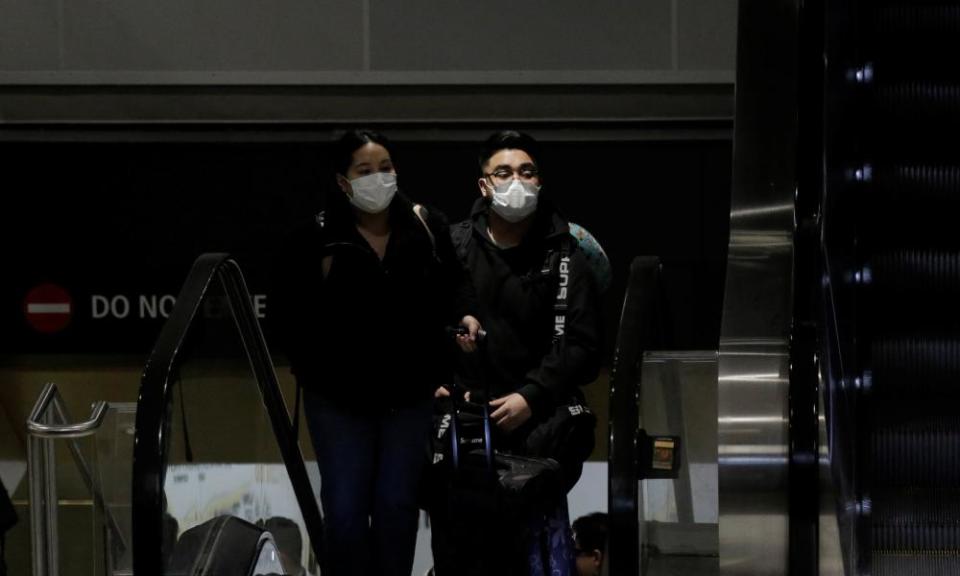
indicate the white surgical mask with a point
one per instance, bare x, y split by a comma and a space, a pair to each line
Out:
515, 200
372, 193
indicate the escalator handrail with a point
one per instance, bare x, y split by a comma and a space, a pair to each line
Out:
639, 331
156, 393
50, 421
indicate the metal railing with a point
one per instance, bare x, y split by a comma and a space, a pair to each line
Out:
49, 421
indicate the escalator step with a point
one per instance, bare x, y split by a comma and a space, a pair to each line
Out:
917, 368
908, 206
916, 537
916, 520
905, 564
922, 273
917, 506
912, 290
918, 106
915, 20
917, 455
905, 183
893, 67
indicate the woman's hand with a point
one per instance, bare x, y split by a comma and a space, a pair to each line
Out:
511, 411
468, 341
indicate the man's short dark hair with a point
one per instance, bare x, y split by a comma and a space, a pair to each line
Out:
509, 140
590, 531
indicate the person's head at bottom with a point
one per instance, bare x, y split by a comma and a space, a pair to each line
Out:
590, 538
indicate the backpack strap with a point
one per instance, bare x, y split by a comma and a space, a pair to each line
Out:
562, 258
421, 213
327, 261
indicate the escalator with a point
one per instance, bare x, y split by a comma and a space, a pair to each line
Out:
219, 482
892, 259
839, 438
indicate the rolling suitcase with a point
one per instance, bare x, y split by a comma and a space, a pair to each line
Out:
498, 513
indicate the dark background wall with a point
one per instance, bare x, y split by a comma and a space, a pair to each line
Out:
364, 38
121, 210
128, 218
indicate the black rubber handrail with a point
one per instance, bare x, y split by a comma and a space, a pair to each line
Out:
156, 394
639, 331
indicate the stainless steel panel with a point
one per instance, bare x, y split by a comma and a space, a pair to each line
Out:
753, 376
753, 457
830, 551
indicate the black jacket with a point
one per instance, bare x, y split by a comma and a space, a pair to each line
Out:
517, 291
370, 334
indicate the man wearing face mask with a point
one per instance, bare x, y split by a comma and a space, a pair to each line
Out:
538, 300
367, 290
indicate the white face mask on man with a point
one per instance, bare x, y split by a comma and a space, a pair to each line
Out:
374, 192
515, 200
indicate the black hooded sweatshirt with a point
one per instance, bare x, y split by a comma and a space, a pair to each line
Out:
517, 291
369, 334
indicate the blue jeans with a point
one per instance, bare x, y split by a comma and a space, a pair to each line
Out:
552, 550
370, 468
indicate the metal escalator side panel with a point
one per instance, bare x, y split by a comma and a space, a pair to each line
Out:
753, 380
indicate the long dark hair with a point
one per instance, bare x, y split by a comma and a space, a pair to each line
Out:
350, 142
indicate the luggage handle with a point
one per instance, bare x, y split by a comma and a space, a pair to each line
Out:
458, 401
455, 434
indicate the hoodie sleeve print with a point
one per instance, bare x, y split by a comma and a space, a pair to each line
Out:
574, 360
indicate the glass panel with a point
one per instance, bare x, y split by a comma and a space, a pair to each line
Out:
76, 520
113, 528
222, 456
679, 517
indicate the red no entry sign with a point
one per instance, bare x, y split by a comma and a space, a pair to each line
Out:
48, 308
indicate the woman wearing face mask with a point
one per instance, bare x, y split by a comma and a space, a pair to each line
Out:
371, 285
